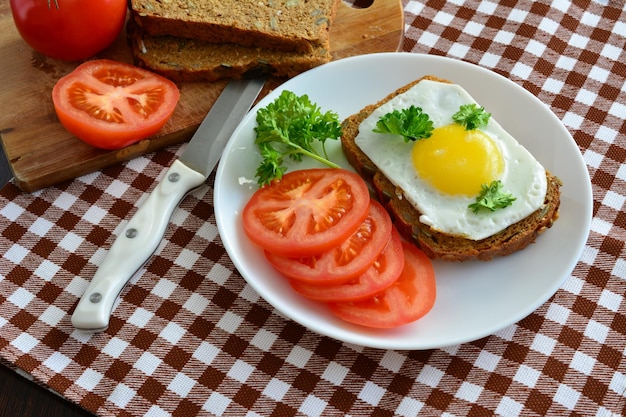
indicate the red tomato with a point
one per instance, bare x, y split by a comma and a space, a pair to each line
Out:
307, 212
110, 105
383, 273
408, 299
348, 260
69, 30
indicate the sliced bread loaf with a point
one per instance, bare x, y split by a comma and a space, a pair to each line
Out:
183, 59
435, 244
287, 25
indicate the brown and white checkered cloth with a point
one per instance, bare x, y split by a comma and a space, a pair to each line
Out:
189, 336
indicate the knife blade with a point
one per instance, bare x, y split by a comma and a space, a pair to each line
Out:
144, 231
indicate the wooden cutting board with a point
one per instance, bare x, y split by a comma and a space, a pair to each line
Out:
42, 153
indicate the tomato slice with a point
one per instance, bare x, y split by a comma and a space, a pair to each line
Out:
345, 262
110, 104
307, 212
408, 299
383, 273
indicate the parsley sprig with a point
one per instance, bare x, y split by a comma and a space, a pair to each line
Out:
290, 127
471, 116
492, 197
411, 123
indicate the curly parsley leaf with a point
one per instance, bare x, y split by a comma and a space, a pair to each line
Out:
292, 126
492, 197
411, 123
471, 116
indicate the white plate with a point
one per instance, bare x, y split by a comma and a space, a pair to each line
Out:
474, 299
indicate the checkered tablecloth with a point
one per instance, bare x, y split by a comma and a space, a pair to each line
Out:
190, 337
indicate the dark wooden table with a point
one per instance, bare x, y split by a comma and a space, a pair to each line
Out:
20, 397
5, 171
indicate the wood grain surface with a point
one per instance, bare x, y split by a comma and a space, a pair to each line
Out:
42, 153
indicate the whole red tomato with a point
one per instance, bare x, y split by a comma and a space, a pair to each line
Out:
69, 30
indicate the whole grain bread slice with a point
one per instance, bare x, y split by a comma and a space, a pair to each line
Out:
286, 25
435, 244
183, 59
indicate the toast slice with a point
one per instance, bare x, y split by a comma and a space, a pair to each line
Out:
286, 25
435, 244
183, 59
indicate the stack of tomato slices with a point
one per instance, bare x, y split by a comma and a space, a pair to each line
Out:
320, 229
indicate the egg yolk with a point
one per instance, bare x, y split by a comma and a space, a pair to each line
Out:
457, 161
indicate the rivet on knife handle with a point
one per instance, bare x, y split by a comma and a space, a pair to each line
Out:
140, 237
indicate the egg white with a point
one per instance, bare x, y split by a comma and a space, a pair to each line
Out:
523, 175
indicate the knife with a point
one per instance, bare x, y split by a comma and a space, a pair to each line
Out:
144, 231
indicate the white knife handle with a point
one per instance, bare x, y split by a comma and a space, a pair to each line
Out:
133, 247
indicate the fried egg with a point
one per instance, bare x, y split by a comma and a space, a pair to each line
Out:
443, 174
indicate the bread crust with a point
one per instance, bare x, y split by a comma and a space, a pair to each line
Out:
282, 25
182, 59
435, 244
